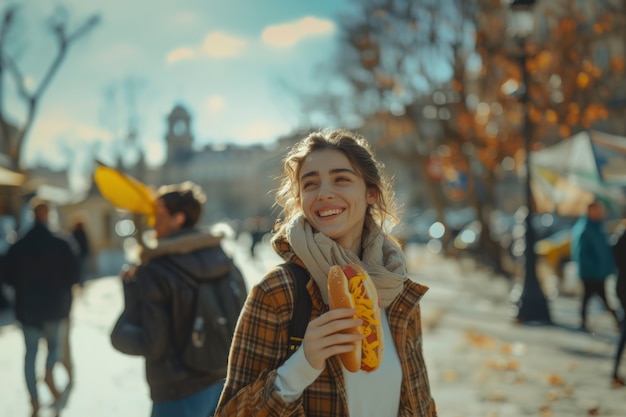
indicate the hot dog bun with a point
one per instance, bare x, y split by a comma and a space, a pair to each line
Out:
352, 287
339, 297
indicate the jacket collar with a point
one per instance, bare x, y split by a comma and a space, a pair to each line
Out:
179, 243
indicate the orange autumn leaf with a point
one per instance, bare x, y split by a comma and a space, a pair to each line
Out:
479, 340
551, 116
450, 375
544, 60
497, 396
554, 379
512, 365
552, 395
583, 80
520, 379
545, 411
617, 64
597, 28
534, 114
572, 366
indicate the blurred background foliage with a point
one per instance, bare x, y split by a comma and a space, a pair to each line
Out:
436, 86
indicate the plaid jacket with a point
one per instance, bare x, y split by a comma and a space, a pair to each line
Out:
260, 346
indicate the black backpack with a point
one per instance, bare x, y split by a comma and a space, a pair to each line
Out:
301, 314
218, 303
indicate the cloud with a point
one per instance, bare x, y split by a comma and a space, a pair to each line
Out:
215, 104
217, 45
56, 136
288, 34
180, 54
221, 45
61, 126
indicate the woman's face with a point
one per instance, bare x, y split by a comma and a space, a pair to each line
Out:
334, 198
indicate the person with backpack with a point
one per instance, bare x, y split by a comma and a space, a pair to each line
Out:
337, 205
160, 306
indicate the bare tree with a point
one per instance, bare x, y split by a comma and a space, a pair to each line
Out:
64, 37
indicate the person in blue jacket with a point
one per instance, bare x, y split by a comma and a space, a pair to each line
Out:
592, 253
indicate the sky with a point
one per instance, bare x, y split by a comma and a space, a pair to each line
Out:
230, 63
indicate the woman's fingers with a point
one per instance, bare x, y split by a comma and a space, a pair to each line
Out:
332, 333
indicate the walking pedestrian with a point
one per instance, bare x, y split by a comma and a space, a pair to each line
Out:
159, 305
42, 268
593, 256
619, 254
336, 205
79, 234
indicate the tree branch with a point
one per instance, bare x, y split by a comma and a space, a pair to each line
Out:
7, 22
19, 79
32, 100
64, 41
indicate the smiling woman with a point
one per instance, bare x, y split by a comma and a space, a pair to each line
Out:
335, 199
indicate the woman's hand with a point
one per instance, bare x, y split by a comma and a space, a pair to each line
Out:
324, 338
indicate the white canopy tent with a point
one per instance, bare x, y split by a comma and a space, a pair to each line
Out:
570, 174
8, 177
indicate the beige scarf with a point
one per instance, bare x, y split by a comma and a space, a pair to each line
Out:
382, 259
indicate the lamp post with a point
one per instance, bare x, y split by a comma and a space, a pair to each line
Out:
533, 306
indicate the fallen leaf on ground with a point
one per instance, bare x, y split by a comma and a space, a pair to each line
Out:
450, 375
480, 340
595, 411
552, 395
555, 379
545, 411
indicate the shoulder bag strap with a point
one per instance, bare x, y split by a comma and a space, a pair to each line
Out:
302, 306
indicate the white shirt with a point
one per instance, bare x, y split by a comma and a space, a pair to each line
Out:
374, 394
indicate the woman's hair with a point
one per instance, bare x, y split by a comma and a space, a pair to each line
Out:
361, 156
186, 198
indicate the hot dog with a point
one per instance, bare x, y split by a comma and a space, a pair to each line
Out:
352, 287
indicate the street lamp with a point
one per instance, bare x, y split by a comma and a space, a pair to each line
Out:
532, 305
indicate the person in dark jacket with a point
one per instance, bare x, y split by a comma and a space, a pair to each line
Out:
42, 268
592, 254
79, 235
619, 254
158, 311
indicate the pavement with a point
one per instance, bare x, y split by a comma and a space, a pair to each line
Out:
481, 363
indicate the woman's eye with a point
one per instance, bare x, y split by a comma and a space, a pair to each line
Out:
343, 179
307, 184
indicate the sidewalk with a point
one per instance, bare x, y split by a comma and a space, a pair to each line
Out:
480, 363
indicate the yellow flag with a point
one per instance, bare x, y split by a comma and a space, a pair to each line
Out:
124, 191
